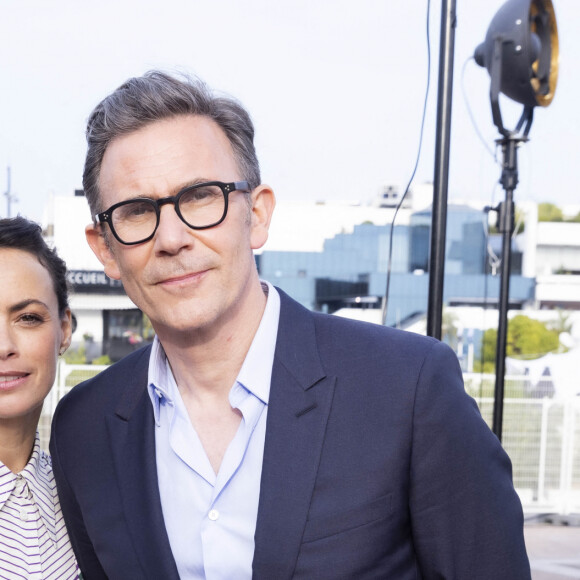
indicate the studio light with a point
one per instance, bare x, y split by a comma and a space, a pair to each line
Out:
520, 52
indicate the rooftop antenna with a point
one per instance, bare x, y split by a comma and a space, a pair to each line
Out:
9, 197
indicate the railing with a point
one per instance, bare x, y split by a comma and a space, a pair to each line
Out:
67, 376
541, 436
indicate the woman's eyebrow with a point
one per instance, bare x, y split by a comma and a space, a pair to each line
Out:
25, 303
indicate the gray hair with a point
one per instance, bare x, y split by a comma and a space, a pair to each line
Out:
155, 96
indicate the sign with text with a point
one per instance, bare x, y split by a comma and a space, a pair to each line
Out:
93, 281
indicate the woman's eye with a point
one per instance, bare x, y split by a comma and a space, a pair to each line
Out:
31, 319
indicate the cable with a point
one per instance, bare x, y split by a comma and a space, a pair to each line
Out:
494, 259
390, 260
481, 348
470, 112
488, 254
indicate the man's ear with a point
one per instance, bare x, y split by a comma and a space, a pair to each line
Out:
263, 203
101, 249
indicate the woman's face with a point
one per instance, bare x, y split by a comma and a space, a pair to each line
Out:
31, 334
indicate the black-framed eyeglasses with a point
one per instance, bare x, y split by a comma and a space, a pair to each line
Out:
199, 206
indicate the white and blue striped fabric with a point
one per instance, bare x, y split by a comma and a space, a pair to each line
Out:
34, 544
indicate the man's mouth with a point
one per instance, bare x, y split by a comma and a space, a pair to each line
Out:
191, 276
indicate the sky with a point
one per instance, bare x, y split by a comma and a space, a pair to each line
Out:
335, 89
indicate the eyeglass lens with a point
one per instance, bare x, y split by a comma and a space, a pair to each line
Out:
199, 206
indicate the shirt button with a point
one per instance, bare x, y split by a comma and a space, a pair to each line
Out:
213, 515
23, 516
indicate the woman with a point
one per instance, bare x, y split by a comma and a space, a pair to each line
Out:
35, 327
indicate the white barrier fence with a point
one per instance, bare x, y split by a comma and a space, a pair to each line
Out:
67, 376
541, 436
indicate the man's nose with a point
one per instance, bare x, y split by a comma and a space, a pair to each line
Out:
172, 234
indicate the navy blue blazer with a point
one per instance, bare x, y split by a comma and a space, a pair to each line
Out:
376, 465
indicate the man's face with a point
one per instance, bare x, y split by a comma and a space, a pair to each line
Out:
184, 280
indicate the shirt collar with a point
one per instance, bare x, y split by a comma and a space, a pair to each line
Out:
158, 378
38, 475
7, 482
255, 374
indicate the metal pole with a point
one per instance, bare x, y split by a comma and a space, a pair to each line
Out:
509, 180
442, 143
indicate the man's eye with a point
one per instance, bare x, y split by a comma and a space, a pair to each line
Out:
201, 194
135, 211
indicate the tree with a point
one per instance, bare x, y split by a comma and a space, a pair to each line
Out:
526, 338
562, 323
486, 364
519, 223
548, 212
449, 328
148, 331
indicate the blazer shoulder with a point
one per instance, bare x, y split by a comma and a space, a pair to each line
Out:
351, 343
293, 312
126, 378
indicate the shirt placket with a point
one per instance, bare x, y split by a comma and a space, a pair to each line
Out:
216, 523
29, 516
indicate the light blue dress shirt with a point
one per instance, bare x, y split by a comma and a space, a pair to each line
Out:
211, 519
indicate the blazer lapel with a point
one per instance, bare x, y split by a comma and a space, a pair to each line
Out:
132, 437
298, 409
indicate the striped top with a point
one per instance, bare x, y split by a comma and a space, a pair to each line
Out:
34, 544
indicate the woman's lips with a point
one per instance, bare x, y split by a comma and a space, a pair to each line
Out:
11, 379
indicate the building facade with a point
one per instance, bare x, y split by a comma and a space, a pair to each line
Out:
337, 258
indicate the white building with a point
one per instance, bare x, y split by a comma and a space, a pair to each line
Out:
105, 315
107, 320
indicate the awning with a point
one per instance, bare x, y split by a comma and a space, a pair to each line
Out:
100, 302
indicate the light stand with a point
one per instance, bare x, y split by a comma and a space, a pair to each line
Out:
506, 212
440, 186
505, 221
521, 54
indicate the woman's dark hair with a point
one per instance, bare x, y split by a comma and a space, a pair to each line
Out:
21, 234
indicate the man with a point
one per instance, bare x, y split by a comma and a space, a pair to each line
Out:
256, 438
